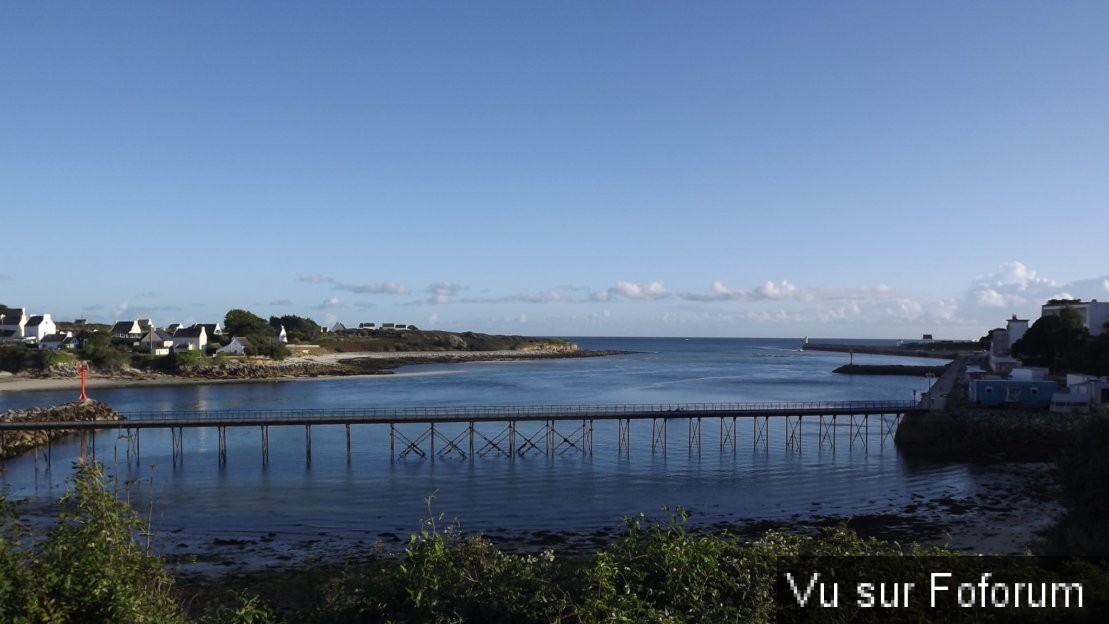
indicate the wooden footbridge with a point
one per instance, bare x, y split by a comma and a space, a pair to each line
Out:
515, 431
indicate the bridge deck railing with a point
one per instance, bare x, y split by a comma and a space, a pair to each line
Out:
529, 412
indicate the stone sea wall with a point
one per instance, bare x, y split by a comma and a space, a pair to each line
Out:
13, 443
984, 432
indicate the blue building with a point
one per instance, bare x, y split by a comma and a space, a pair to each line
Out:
1012, 392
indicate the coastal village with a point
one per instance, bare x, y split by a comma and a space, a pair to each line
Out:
40, 331
1006, 379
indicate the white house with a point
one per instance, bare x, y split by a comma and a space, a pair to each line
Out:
193, 338
157, 342
38, 327
127, 329
11, 325
338, 327
281, 335
237, 346
1094, 314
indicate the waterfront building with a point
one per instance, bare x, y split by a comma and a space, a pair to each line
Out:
1094, 313
1012, 392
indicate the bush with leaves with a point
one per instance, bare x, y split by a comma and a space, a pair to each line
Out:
90, 568
665, 574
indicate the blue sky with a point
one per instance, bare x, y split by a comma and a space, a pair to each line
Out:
847, 169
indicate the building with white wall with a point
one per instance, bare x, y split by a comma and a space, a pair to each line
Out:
1094, 314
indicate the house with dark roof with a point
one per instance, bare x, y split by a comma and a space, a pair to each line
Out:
11, 325
39, 327
157, 342
193, 338
212, 329
127, 329
59, 341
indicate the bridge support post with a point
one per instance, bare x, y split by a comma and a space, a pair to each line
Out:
623, 435
471, 432
265, 445
348, 443
432, 441
308, 444
392, 441
177, 444
658, 434
889, 426
694, 435
793, 432
222, 435
550, 438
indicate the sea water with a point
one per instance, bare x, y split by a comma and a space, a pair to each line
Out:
375, 494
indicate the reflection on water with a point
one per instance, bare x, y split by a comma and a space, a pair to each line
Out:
565, 490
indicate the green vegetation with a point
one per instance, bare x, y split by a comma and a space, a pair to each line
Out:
17, 357
298, 328
95, 566
89, 567
245, 324
1062, 344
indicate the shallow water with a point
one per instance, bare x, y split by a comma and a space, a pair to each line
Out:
568, 490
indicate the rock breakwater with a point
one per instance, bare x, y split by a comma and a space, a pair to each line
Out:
16, 442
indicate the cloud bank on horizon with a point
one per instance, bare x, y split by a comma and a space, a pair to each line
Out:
767, 309
772, 308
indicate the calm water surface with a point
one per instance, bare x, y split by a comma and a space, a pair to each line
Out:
373, 495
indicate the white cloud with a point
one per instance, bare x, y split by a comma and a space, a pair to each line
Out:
381, 288
120, 309
442, 292
377, 288
781, 291
653, 290
330, 302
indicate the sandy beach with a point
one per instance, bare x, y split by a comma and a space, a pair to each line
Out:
319, 363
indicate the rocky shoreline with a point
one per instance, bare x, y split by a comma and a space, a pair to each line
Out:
17, 442
303, 367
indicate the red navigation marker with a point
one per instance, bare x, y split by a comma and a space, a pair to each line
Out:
83, 368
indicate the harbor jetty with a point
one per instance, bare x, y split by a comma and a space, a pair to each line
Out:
14, 442
940, 350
